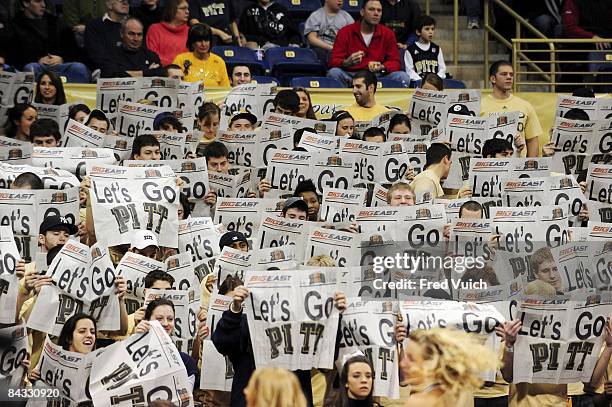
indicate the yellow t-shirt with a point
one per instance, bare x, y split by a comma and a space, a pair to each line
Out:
365, 114
499, 388
537, 395
212, 71
428, 181
529, 124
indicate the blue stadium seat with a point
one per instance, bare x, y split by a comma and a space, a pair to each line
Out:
301, 9
352, 7
233, 55
288, 62
263, 79
454, 84
386, 83
315, 82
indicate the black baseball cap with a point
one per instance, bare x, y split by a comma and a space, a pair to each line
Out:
459, 109
57, 222
230, 238
295, 202
244, 115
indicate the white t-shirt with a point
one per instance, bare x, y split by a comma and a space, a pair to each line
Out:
367, 38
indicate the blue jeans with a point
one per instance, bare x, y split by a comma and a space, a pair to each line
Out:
345, 78
73, 71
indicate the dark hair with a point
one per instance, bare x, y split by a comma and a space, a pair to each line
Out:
60, 96
287, 99
99, 115
424, 20
364, 2
65, 337
496, 65
157, 275
28, 180
215, 149
231, 69
199, 32
207, 110
184, 202
79, 107
143, 140
14, 115
45, 127
341, 115
310, 114
436, 153
229, 284
494, 146
158, 302
171, 66
433, 79
374, 132
297, 136
305, 186
470, 206
170, 10
342, 399
171, 120
584, 92
399, 118
572, 114
368, 78
51, 254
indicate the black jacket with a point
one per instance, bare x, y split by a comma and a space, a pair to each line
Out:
232, 339
124, 60
147, 16
101, 38
400, 18
273, 24
33, 39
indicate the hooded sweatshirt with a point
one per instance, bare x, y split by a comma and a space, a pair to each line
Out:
167, 41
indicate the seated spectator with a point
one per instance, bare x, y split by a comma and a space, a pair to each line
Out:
366, 44
50, 90
431, 81
98, 121
149, 12
323, 25
497, 148
401, 16
200, 64
287, 102
242, 122
588, 19
307, 191
209, 116
220, 16
273, 387
306, 111
268, 24
399, 124
437, 166
169, 38
103, 34
424, 56
174, 72
240, 74
131, 58
79, 112
37, 44
217, 157
20, 119
470, 210
346, 123
374, 135
146, 147
167, 121
546, 17
401, 194
78, 13
45, 133
365, 107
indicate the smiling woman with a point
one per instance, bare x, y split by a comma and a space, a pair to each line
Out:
50, 90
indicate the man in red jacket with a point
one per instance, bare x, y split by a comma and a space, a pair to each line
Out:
366, 44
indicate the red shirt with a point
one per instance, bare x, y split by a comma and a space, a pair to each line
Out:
383, 48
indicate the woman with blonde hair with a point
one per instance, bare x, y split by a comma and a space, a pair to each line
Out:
274, 387
443, 366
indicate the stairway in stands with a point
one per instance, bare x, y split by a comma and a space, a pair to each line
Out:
470, 65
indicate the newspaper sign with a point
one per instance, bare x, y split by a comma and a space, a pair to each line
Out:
134, 268
134, 119
318, 143
79, 135
140, 369
163, 92
275, 258
286, 169
487, 175
339, 205
110, 92
271, 119
559, 341
369, 326
340, 246
186, 308
471, 238
16, 88
18, 209
428, 109
125, 200
594, 108
16, 352
599, 192
51, 178
217, 371
231, 262
291, 310
200, 238
83, 280
9, 283
275, 231
240, 215
253, 98
333, 171
230, 186
364, 154
574, 136
121, 146
72, 159
16, 153
57, 113
243, 147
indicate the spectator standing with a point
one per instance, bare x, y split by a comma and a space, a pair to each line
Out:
424, 56
77, 13
200, 64
131, 58
103, 34
401, 17
220, 16
268, 24
365, 107
169, 38
36, 38
149, 12
50, 90
366, 44
323, 25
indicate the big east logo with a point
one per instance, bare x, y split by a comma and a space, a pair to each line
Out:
490, 164
602, 170
572, 102
231, 204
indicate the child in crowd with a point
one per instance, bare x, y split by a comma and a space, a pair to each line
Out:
424, 56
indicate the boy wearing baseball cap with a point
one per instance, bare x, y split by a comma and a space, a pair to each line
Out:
295, 208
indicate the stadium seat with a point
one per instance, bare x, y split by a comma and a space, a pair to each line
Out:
352, 7
289, 62
315, 82
386, 83
233, 55
301, 9
263, 79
